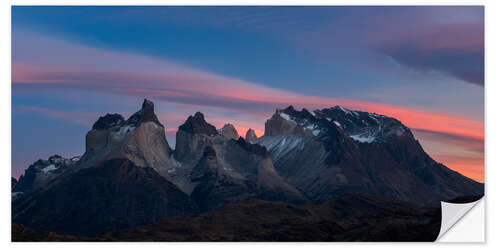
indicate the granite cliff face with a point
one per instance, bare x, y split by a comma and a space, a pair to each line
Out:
236, 170
218, 169
141, 139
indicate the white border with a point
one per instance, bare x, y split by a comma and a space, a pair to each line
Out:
461, 231
492, 125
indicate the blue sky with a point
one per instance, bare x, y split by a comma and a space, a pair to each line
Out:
237, 64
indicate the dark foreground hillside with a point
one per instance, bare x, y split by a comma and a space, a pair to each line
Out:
348, 218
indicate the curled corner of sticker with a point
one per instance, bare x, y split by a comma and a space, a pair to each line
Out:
451, 213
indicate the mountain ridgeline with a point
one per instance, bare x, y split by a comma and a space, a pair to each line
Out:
129, 176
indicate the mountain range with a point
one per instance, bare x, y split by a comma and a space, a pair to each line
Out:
341, 171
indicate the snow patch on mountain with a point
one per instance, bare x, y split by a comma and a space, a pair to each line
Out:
348, 111
367, 139
344, 110
49, 168
16, 194
281, 145
286, 117
123, 131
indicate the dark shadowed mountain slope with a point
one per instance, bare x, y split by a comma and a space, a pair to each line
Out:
348, 218
217, 169
21, 233
114, 195
336, 150
13, 183
239, 170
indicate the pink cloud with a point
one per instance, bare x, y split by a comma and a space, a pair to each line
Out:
228, 93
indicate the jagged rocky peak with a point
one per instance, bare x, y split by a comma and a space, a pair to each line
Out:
146, 114
41, 171
342, 108
291, 121
53, 162
192, 137
280, 123
112, 129
56, 159
108, 121
141, 139
252, 148
229, 131
197, 125
295, 115
288, 109
251, 136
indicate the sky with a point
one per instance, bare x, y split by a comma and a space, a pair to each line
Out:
421, 65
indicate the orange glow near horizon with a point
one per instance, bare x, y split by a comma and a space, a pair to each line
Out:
471, 167
242, 130
243, 91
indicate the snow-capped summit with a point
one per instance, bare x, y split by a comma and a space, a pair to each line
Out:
363, 126
336, 150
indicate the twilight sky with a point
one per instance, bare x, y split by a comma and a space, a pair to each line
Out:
421, 65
